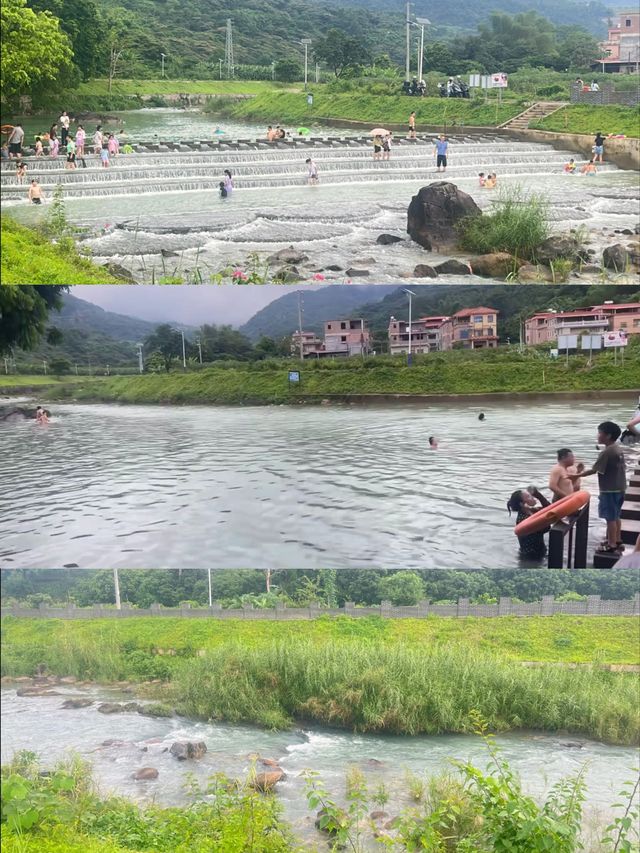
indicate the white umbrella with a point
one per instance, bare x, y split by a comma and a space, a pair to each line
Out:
379, 131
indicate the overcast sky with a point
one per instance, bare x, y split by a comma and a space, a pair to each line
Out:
189, 304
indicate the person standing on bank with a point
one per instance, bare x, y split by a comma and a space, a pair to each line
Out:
440, 149
598, 148
412, 126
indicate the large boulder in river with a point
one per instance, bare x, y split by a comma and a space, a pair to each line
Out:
424, 271
184, 749
559, 246
534, 273
77, 702
287, 256
435, 212
453, 267
616, 257
388, 239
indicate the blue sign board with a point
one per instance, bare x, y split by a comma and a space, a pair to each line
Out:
294, 376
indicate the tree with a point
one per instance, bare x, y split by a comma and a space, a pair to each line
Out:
577, 48
224, 341
402, 588
119, 28
80, 20
166, 341
24, 310
288, 70
59, 366
34, 49
342, 52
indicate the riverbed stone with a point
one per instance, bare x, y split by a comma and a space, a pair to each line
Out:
493, 264
269, 762
531, 273
146, 773
268, 780
118, 271
334, 268
188, 749
77, 702
36, 691
388, 239
287, 256
378, 815
559, 246
435, 211
424, 271
615, 257
354, 272
67, 679
111, 708
453, 267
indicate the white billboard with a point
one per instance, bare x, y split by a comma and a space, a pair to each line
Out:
499, 81
591, 342
567, 342
615, 339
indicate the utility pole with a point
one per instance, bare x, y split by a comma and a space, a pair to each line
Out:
209, 579
140, 361
411, 294
220, 61
300, 325
228, 50
306, 43
184, 353
407, 74
6, 365
199, 344
116, 587
44, 364
422, 23
162, 56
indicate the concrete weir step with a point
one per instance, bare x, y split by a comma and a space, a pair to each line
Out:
605, 561
631, 509
630, 530
633, 494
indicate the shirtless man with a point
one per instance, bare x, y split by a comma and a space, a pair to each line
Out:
36, 194
559, 481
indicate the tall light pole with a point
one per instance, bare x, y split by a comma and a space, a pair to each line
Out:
209, 579
422, 23
116, 588
184, 352
306, 43
162, 56
220, 61
407, 73
140, 361
300, 325
411, 294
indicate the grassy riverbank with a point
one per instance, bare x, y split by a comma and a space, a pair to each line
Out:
283, 107
444, 374
580, 118
404, 676
29, 258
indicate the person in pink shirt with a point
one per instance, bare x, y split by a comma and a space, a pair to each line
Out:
80, 140
113, 145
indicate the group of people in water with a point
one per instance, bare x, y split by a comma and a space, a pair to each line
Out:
565, 479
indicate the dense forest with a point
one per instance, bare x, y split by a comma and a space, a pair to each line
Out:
170, 587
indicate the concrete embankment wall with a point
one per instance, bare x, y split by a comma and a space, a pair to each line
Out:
593, 605
625, 153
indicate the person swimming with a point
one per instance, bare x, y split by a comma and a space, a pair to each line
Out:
481, 416
524, 502
433, 442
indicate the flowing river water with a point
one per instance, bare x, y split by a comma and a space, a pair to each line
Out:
38, 724
305, 487
158, 212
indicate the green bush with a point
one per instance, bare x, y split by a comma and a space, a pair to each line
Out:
517, 224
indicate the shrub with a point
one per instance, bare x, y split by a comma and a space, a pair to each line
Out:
518, 224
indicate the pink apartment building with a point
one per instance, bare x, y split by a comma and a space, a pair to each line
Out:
425, 335
342, 338
546, 326
471, 328
621, 50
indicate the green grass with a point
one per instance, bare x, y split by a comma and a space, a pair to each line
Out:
567, 639
435, 374
100, 87
29, 258
589, 120
16, 380
366, 675
516, 223
281, 107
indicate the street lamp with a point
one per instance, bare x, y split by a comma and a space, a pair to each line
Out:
411, 294
162, 56
140, 361
306, 43
422, 23
184, 352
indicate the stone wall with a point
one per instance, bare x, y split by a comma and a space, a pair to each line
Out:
605, 97
625, 153
593, 605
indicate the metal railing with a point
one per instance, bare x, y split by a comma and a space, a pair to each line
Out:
574, 531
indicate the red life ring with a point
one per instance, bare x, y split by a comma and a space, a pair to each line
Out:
553, 513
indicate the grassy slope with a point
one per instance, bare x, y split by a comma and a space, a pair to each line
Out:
17, 381
238, 385
174, 87
292, 108
589, 120
29, 258
535, 638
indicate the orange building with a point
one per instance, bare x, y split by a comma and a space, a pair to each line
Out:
471, 328
621, 50
426, 335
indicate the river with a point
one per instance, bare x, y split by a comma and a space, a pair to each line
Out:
40, 725
306, 487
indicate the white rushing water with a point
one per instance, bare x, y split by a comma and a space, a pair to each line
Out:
40, 725
159, 212
256, 487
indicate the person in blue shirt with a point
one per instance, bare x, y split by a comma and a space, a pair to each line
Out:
441, 146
